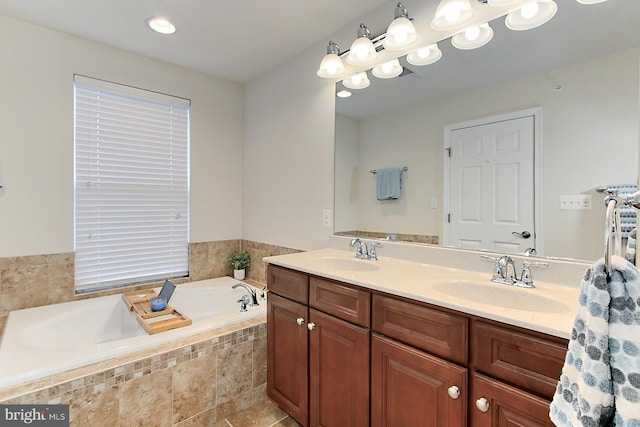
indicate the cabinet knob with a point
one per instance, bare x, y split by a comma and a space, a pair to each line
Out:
454, 392
311, 326
482, 404
300, 321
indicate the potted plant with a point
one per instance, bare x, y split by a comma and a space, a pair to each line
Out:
239, 261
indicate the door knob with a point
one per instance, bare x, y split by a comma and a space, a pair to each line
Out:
454, 392
482, 404
311, 326
525, 234
300, 321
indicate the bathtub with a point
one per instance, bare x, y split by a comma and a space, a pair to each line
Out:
47, 340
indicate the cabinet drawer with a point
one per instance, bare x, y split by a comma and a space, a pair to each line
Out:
344, 302
288, 283
528, 361
432, 330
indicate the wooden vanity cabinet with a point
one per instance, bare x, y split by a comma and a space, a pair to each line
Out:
411, 382
512, 372
321, 379
342, 356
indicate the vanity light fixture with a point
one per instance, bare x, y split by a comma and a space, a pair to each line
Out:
331, 65
362, 51
401, 33
501, 3
590, 1
1, 181
425, 55
452, 14
473, 37
531, 15
388, 70
343, 94
161, 25
357, 81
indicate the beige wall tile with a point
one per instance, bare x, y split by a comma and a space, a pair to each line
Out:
234, 376
194, 387
97, 408
146, 401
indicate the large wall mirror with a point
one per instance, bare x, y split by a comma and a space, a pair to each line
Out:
581, 69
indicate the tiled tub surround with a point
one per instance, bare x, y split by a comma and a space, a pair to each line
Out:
194, 381
36, 280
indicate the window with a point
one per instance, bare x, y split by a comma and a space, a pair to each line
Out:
131, 178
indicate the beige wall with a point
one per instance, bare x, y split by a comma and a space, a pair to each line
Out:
589, 138
36, 146
288, 156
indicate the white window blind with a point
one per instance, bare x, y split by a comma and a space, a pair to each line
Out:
131, 185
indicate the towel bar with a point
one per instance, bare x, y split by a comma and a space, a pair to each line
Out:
374, 171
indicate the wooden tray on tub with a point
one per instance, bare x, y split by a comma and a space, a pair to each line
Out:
153, 321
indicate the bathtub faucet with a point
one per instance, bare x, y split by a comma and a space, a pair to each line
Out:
252, 293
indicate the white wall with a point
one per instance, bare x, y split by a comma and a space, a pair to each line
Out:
288, 156
590, 138
36, 139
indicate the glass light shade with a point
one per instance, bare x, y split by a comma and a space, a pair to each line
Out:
425, 55
388, 70
357, 81
343, 94
362, 52
452, 14
331, 67
591, 1
161, 25
501, 3
531, 15
473, 37
400, 34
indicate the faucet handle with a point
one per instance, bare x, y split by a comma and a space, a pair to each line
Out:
526, 279
497, 271
373, 255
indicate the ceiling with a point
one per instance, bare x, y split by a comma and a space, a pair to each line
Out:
236, 40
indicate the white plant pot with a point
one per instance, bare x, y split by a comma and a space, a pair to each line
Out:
238, 274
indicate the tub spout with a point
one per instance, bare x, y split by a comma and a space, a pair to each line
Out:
253, 298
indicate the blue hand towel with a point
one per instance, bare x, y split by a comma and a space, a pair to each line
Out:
600, 380
388, 183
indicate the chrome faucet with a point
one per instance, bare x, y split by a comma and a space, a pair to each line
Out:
504, 271
363, 251
253, 297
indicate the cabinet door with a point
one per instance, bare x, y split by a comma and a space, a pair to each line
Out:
411, 388
288, 356
339, 372
507, 406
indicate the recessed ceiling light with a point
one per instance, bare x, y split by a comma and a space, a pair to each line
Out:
161, 25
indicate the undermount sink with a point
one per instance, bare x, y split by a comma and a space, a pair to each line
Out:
502, 296
345, 264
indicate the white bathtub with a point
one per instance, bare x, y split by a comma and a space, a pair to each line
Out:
46, 340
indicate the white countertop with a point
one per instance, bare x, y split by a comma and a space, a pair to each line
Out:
548, 308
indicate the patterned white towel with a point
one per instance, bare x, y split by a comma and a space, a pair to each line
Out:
600, 381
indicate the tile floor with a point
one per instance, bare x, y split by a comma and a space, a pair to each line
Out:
265, 414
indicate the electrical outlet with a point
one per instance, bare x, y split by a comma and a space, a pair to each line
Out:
575, 202
326, 218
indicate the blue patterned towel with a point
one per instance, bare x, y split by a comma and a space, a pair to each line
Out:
600, 381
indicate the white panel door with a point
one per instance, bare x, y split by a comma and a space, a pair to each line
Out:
492, 186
